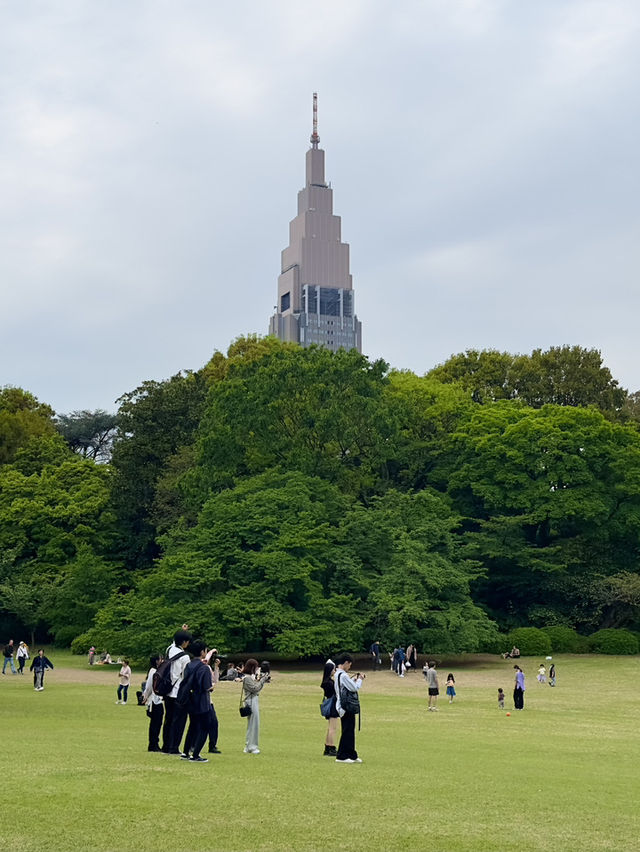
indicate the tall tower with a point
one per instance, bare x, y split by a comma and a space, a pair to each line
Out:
315, 294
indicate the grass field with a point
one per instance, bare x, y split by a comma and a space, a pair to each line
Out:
561, 775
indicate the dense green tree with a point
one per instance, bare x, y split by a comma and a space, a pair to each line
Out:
285, 561
155, 421
54, 506
566, 375
561, 375
483, 373
309, 409
426, 412
552, 502
22, 418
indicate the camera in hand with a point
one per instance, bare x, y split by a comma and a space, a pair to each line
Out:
265, 668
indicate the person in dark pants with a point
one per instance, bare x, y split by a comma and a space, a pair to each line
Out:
155, 706
195, 695
518, 689
374, 650
174, 723
39, 665
344, 683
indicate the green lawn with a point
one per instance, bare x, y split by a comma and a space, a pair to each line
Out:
562, 775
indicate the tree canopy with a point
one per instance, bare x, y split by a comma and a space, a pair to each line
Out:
298, 501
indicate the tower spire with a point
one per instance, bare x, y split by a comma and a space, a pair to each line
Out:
315, 139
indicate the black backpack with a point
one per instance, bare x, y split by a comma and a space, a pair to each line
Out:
162, 682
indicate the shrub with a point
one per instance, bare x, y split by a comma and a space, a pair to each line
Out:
565, 640
530, 640
612, 641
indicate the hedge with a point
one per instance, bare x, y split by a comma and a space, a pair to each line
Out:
612, 641
531, 641
565, 640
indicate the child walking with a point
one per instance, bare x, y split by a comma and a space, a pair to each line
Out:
542, 672
125, 679
451, 689
500, 699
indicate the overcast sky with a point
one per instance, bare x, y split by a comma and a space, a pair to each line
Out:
483, 155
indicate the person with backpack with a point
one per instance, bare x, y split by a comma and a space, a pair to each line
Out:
348, 706
155, 705
194, 696
166, 683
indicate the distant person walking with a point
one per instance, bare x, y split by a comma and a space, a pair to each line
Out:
412, 656
124, 678
22, 656
500, 699
552, 675
542, 674
518, 689
39, 665
7, 653
374, 650
432, 685
347, 705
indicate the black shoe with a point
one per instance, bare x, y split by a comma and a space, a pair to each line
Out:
215, 750
154, 748
198, 760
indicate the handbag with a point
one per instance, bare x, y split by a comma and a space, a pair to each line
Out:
328, 707
245, 710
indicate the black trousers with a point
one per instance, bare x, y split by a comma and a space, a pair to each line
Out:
518, 699
197, 733
169, 710
211, 730
177, 727
347, 744
155, 724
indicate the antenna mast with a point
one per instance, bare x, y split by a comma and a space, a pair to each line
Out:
315, 139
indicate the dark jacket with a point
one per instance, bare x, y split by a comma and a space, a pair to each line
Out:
194, 692
40, 663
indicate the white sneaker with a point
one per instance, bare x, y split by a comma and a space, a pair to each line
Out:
358, 760
117, 702
345, 760
255, 751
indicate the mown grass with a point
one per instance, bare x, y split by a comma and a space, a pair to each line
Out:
561, 775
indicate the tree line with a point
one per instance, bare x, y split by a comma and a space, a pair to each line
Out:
298, 500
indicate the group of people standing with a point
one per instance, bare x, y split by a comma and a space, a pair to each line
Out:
39, 664
190, 672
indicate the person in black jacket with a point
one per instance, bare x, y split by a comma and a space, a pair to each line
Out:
38, 667
328, 687
195, 694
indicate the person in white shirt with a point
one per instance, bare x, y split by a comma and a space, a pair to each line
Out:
174, 722
155, 706
343, 682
